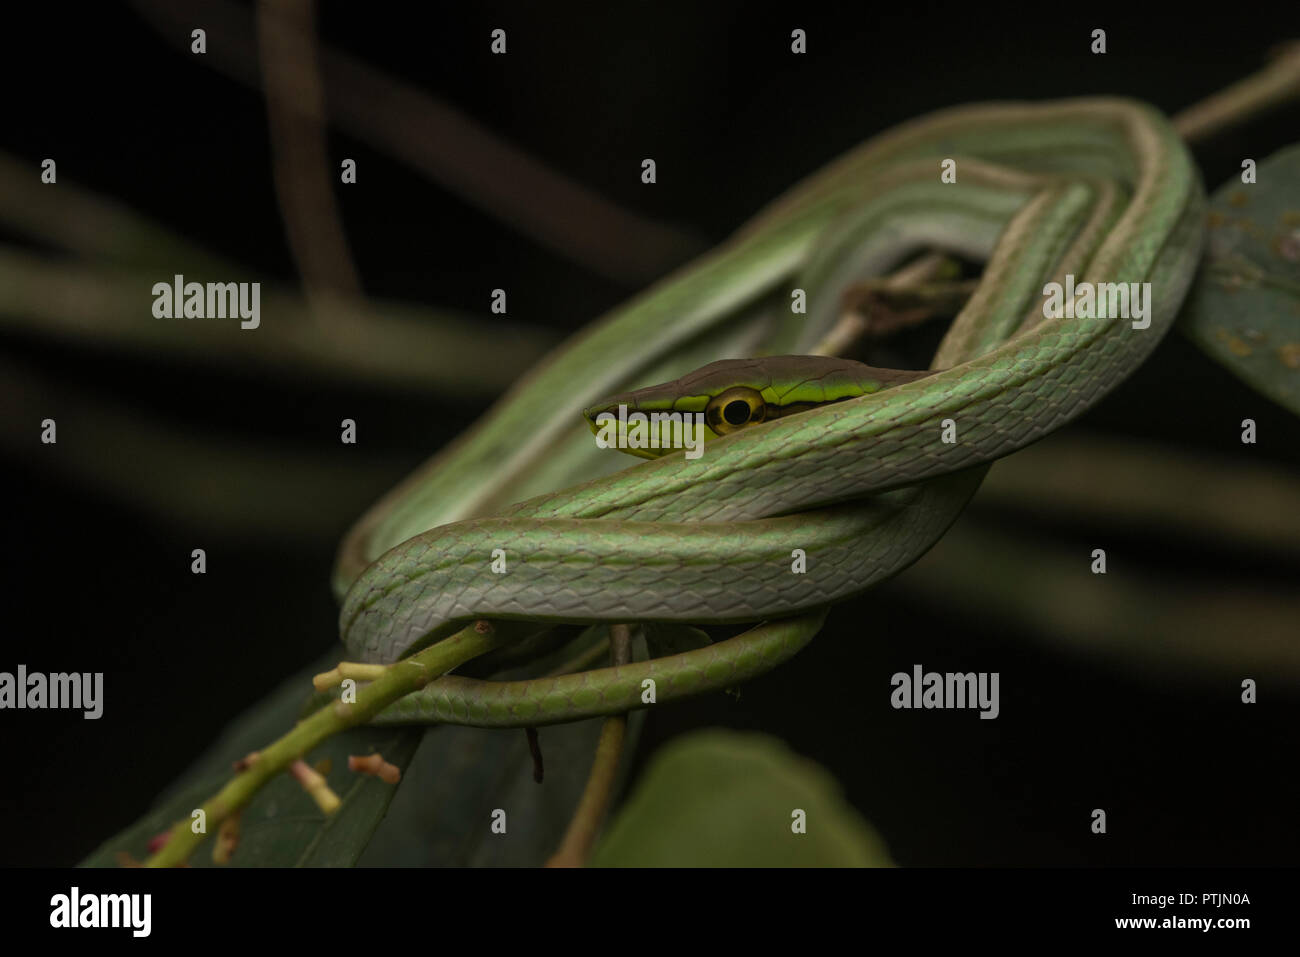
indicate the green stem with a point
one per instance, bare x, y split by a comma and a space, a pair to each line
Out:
578, 841
405, 676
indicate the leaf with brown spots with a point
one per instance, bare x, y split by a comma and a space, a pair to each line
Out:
1244, 307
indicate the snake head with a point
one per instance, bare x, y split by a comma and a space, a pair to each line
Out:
653, 421
728, 396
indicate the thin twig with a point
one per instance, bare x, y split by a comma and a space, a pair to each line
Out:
590, 814
405, 676
301, 167
852, 325
1263, 90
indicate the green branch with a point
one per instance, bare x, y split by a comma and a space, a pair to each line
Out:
400, 679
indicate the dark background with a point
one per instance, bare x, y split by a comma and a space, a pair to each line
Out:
712, 92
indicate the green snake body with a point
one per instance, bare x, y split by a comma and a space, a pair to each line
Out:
849, 469
603, 691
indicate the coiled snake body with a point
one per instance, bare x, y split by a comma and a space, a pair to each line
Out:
849, 469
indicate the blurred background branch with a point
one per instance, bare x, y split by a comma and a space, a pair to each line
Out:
450, 148
301, 166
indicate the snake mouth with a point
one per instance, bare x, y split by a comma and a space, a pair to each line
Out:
592, 412
648, 430
629, 401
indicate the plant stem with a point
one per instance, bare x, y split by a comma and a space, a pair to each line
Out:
1275, 84
402, 678
592, 807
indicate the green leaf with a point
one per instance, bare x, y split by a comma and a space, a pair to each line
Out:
282, 826
719, 798
460, 776
439, 817
442, 816
1244, 307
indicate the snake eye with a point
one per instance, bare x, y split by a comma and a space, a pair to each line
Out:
734, 409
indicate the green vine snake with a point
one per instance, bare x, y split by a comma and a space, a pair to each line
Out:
832, 460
